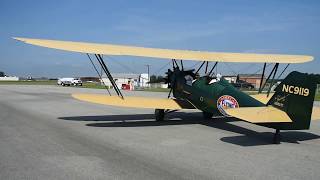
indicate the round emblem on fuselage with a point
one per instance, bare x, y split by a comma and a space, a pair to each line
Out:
226, 102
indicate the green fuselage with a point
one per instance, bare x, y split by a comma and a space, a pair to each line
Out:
204, 94
213, 95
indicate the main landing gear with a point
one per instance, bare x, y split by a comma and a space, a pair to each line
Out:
159, 114
277, 137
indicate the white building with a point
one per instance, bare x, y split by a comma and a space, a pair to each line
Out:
124, 79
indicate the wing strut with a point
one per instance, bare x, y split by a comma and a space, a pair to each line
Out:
272, 80
200, 67
98, 73
283, 71
206, 63
174, 62
262, 76
205, 71
273, 74
211, 71
274, 71
181, 64
107, 72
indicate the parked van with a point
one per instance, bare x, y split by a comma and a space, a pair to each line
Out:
69, 82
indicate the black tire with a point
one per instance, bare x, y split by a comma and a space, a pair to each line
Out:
159, 114
207, 115
62, 84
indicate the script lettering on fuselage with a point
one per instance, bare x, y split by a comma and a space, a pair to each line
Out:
295, 90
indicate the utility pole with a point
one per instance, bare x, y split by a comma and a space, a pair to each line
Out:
148, 67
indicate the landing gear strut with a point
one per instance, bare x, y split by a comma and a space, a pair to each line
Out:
277, 137
207, 115
159, 114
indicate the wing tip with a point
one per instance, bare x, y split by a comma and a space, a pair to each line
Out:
20, 39
309, 58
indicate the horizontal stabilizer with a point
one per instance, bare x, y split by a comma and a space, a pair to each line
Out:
267, 114
135, 102
262, 97
120, 50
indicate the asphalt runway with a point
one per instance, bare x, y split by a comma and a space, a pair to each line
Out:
46, 134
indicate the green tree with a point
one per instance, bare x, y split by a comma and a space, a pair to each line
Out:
160, 79
153, 79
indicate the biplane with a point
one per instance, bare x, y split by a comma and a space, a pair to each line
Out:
290, 107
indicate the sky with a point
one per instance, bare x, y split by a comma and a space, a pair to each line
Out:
270, 26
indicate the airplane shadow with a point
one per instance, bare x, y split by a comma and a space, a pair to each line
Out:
247, 138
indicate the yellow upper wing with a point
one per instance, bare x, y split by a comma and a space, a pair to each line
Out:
135, 102
109, 49
267, 114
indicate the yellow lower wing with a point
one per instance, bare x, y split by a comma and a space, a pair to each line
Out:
135, 102
267, 114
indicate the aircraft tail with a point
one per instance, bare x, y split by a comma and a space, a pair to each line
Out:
295, 96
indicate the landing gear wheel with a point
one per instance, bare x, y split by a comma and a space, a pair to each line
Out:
277, 137
159, 114
207, 115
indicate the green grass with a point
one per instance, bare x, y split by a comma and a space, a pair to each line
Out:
91, 85
155, 89
48, 82
317, 98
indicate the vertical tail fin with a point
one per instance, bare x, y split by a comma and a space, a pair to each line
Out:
295, 95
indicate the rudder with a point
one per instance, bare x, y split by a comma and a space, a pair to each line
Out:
295, 95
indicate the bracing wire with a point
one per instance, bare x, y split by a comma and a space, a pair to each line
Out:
95, 68
161, 68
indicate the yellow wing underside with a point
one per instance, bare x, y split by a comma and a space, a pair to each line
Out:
110, 49
267, 114
134, 102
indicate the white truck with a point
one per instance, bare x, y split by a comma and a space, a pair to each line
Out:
69, 82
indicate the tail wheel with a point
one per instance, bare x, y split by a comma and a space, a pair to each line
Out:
159, 114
